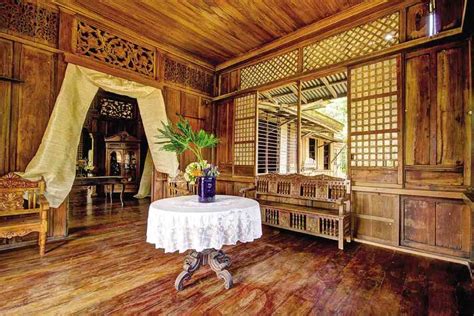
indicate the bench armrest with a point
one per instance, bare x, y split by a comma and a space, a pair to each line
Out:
243, 192
344, 204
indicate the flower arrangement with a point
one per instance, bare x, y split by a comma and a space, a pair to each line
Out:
83, 166
180, 138
200, 169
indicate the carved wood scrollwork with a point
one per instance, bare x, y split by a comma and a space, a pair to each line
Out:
113, 50
117, 109
11, 200
28, 19
182, 74
18, 233
12, 180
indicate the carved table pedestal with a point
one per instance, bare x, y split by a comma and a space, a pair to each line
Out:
216, 259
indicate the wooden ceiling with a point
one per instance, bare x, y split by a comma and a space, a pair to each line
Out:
213, 30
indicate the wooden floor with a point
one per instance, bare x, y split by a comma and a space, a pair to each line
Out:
105, 267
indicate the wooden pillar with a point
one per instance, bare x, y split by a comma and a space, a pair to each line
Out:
298, 131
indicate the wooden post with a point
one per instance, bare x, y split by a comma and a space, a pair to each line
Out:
298, 130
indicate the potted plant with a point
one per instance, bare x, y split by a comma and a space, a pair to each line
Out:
180, 138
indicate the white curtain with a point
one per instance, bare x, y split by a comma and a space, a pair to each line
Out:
145, 182
55, 159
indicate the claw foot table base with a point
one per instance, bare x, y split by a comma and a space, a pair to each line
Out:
216, 259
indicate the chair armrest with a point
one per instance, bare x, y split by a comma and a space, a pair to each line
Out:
43, 203
243, 192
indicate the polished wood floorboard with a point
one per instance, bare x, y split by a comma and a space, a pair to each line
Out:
106, 267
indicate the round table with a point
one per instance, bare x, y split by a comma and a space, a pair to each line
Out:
182, 223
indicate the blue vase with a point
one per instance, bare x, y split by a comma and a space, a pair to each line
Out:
207, 189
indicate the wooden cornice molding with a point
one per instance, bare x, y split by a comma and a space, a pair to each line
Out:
352, 15
77, 10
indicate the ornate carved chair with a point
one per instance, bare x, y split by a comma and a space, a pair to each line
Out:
23, 208
178, 186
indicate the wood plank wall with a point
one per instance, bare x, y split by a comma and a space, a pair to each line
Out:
37, 54
416, 204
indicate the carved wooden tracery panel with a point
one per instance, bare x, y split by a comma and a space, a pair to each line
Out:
113, 50
117, 109
182, 74
28, 19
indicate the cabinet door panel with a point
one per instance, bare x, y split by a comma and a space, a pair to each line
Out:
450, 107
436, 225
436, 140
376, 217
418, 220
448, 225
418, 103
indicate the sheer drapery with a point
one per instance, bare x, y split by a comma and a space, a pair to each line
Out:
55, 159
145, 181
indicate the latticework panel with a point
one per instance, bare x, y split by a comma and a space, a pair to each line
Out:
374, 122
359, 41
244, 130
276, 68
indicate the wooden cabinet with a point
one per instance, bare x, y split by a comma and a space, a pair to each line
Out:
437, 225
437, 149
122, 155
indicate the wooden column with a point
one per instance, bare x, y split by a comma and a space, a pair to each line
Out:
298, 131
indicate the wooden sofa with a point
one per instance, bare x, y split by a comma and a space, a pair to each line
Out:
316, 205
23, 208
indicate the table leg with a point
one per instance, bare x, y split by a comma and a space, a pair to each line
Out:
216, 259
111, 192
192, 262
121, 193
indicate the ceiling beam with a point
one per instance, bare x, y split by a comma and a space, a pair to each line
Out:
330, 88
315, 105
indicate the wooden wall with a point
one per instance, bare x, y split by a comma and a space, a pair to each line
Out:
35, 46
409, 194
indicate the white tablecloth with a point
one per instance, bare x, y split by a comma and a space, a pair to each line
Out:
182, 223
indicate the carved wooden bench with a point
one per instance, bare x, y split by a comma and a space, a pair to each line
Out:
23, 208
316, 205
